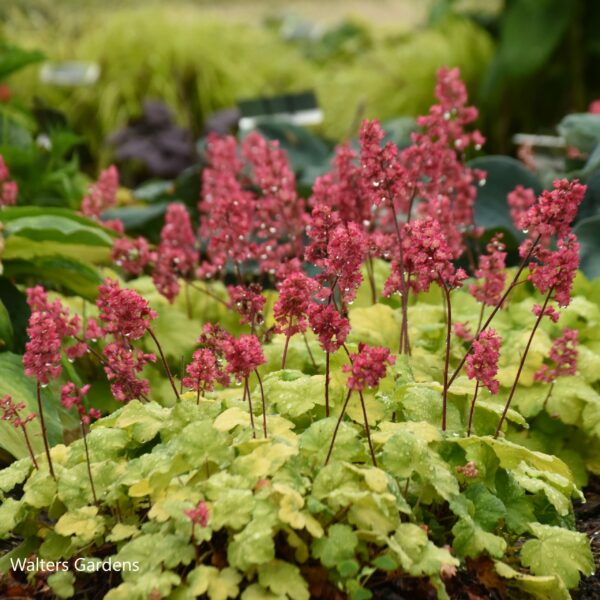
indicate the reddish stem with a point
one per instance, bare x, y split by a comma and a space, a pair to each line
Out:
247, 394
498, 306
447, 356
471, 411
326, 384
87, 458
29, 448
367, 430
164, 362
337, 426
522, 363
44, 430
264, 403
288, 335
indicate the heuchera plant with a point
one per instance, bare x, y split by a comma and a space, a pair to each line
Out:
309, 507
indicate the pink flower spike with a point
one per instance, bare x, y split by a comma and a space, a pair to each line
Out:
42, 358
563, 358
368, 366
202, 372
8, 188
462, 330
291, 308
243, 355
199, 514
122, 366
556, 269
101, 195
248, 302
176, 255
331, 328
124, 312
482, 361
520, 200
491, 271
132, 255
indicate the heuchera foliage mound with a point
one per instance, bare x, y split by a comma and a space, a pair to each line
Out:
364, 422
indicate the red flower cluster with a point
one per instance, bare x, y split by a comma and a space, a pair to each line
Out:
248, 302
554, 210
50, 324
202, 372
243, 355
8, 188
102, 194
133, 256
491, 270
242, 224
291, 308
11, 410
122, 366
482, 361
124, 312
563, 357
556, 269
72, 397
427, 259
176, 255
198, 515
331, 328
520, 200
368, 366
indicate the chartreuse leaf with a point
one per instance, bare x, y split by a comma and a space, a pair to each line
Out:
62, 584
376, 325
488, 508
141, 421
558, 551
292, 393
314, 442
14, 474
338, 545
159, 583
219, 585
284, 579
416, 554
82, 523
544, 587
254, 545
519, 507
10, 509
471, 540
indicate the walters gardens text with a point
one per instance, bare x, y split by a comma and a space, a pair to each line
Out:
86, 565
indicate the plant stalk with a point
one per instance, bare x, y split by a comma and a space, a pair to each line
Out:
522, 363
264, 403
327, 358
337, 426
44, 430
447, 356
367, 430
87, 458
247, 394
472, 409
29, 448
164, 362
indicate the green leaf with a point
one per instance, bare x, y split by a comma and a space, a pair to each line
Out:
316, 439
376, 325
292, 393
9, 515
83, 523
283, 578
6, 330
530, 31
558, 551
548, 587
13, 58
417, 555
254, 545
14, 474
23, 389
219, 585
62, 584
471, 540
488, 508
337, 546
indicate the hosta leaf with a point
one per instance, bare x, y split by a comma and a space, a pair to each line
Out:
558, 551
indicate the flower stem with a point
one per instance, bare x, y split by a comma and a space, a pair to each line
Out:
337, 426
472, 410
326, 384
367, 430
188, 303
164, 362
87, 458
447, 356
29, 448
498, 306
288, 335
264, 403
247, 394
522, 363
371, 277
404, 346
44, 430
310, 354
